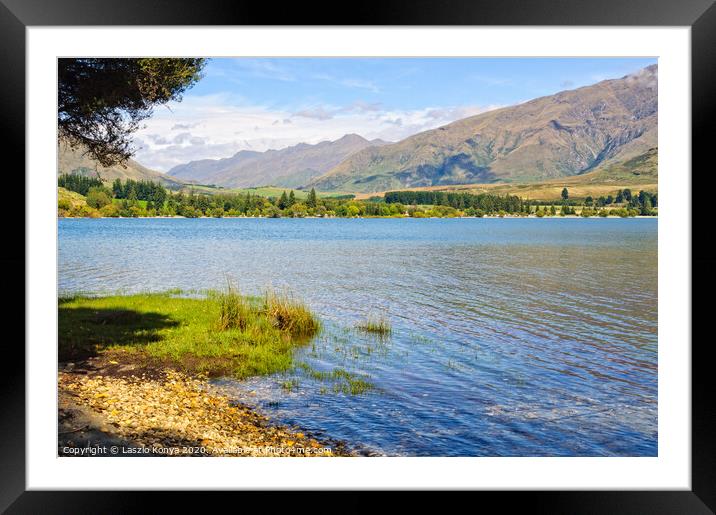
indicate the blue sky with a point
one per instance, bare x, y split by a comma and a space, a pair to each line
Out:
258, 103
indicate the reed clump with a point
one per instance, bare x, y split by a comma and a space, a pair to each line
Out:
375, 323
290, 314
234, 310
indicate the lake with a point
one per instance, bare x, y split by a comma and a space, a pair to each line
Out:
510, 337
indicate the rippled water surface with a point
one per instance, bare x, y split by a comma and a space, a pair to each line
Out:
511, 337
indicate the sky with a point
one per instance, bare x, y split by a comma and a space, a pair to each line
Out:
271, 103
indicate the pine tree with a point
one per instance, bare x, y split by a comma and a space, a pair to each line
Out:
117, 189
312, 201
291, 199
283, 201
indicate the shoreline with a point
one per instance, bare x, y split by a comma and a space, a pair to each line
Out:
107, 408
135, 369
345, 217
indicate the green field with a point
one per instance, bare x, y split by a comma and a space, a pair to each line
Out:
265, 191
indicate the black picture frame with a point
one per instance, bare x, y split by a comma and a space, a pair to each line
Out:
700, 15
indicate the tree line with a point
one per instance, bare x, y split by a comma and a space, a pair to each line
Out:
485, 202
139, 190
79, 183
131, 198
644, 203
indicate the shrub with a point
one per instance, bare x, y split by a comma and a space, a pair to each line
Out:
110, 210
85, 212
97, 197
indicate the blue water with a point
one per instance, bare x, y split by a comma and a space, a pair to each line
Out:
511, 337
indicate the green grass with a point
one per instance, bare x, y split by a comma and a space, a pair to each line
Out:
264, 191
289, 314
378, 324
290, 385
140, 203
221, 334
342, 380
234, 310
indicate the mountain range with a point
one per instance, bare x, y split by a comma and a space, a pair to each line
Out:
569, 134
562, 135
290, 167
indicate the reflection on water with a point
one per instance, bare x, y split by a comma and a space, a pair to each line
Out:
510, 336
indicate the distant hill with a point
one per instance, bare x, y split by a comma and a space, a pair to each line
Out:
562, 135
290, 167
75, 161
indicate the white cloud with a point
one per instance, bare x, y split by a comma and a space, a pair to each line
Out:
217, 126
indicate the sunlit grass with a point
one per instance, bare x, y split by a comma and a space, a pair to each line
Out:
220, 334
235, 311
289, 314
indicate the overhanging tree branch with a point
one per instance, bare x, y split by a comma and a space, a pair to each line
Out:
101, 102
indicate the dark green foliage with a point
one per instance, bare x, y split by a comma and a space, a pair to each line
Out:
565, 194
102, 101
312, 201
98, 197
78, 183
484, 201
283, 201
140, 190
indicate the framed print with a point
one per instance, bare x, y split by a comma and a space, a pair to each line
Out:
452, 247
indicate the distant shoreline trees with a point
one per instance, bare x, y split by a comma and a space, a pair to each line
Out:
484, 201
130, 198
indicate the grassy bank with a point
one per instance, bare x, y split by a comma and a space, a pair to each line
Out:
221, 334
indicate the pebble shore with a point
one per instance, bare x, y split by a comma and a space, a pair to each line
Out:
169, 413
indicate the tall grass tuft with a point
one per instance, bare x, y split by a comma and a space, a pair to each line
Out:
378, 324
289, 314
234, 309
